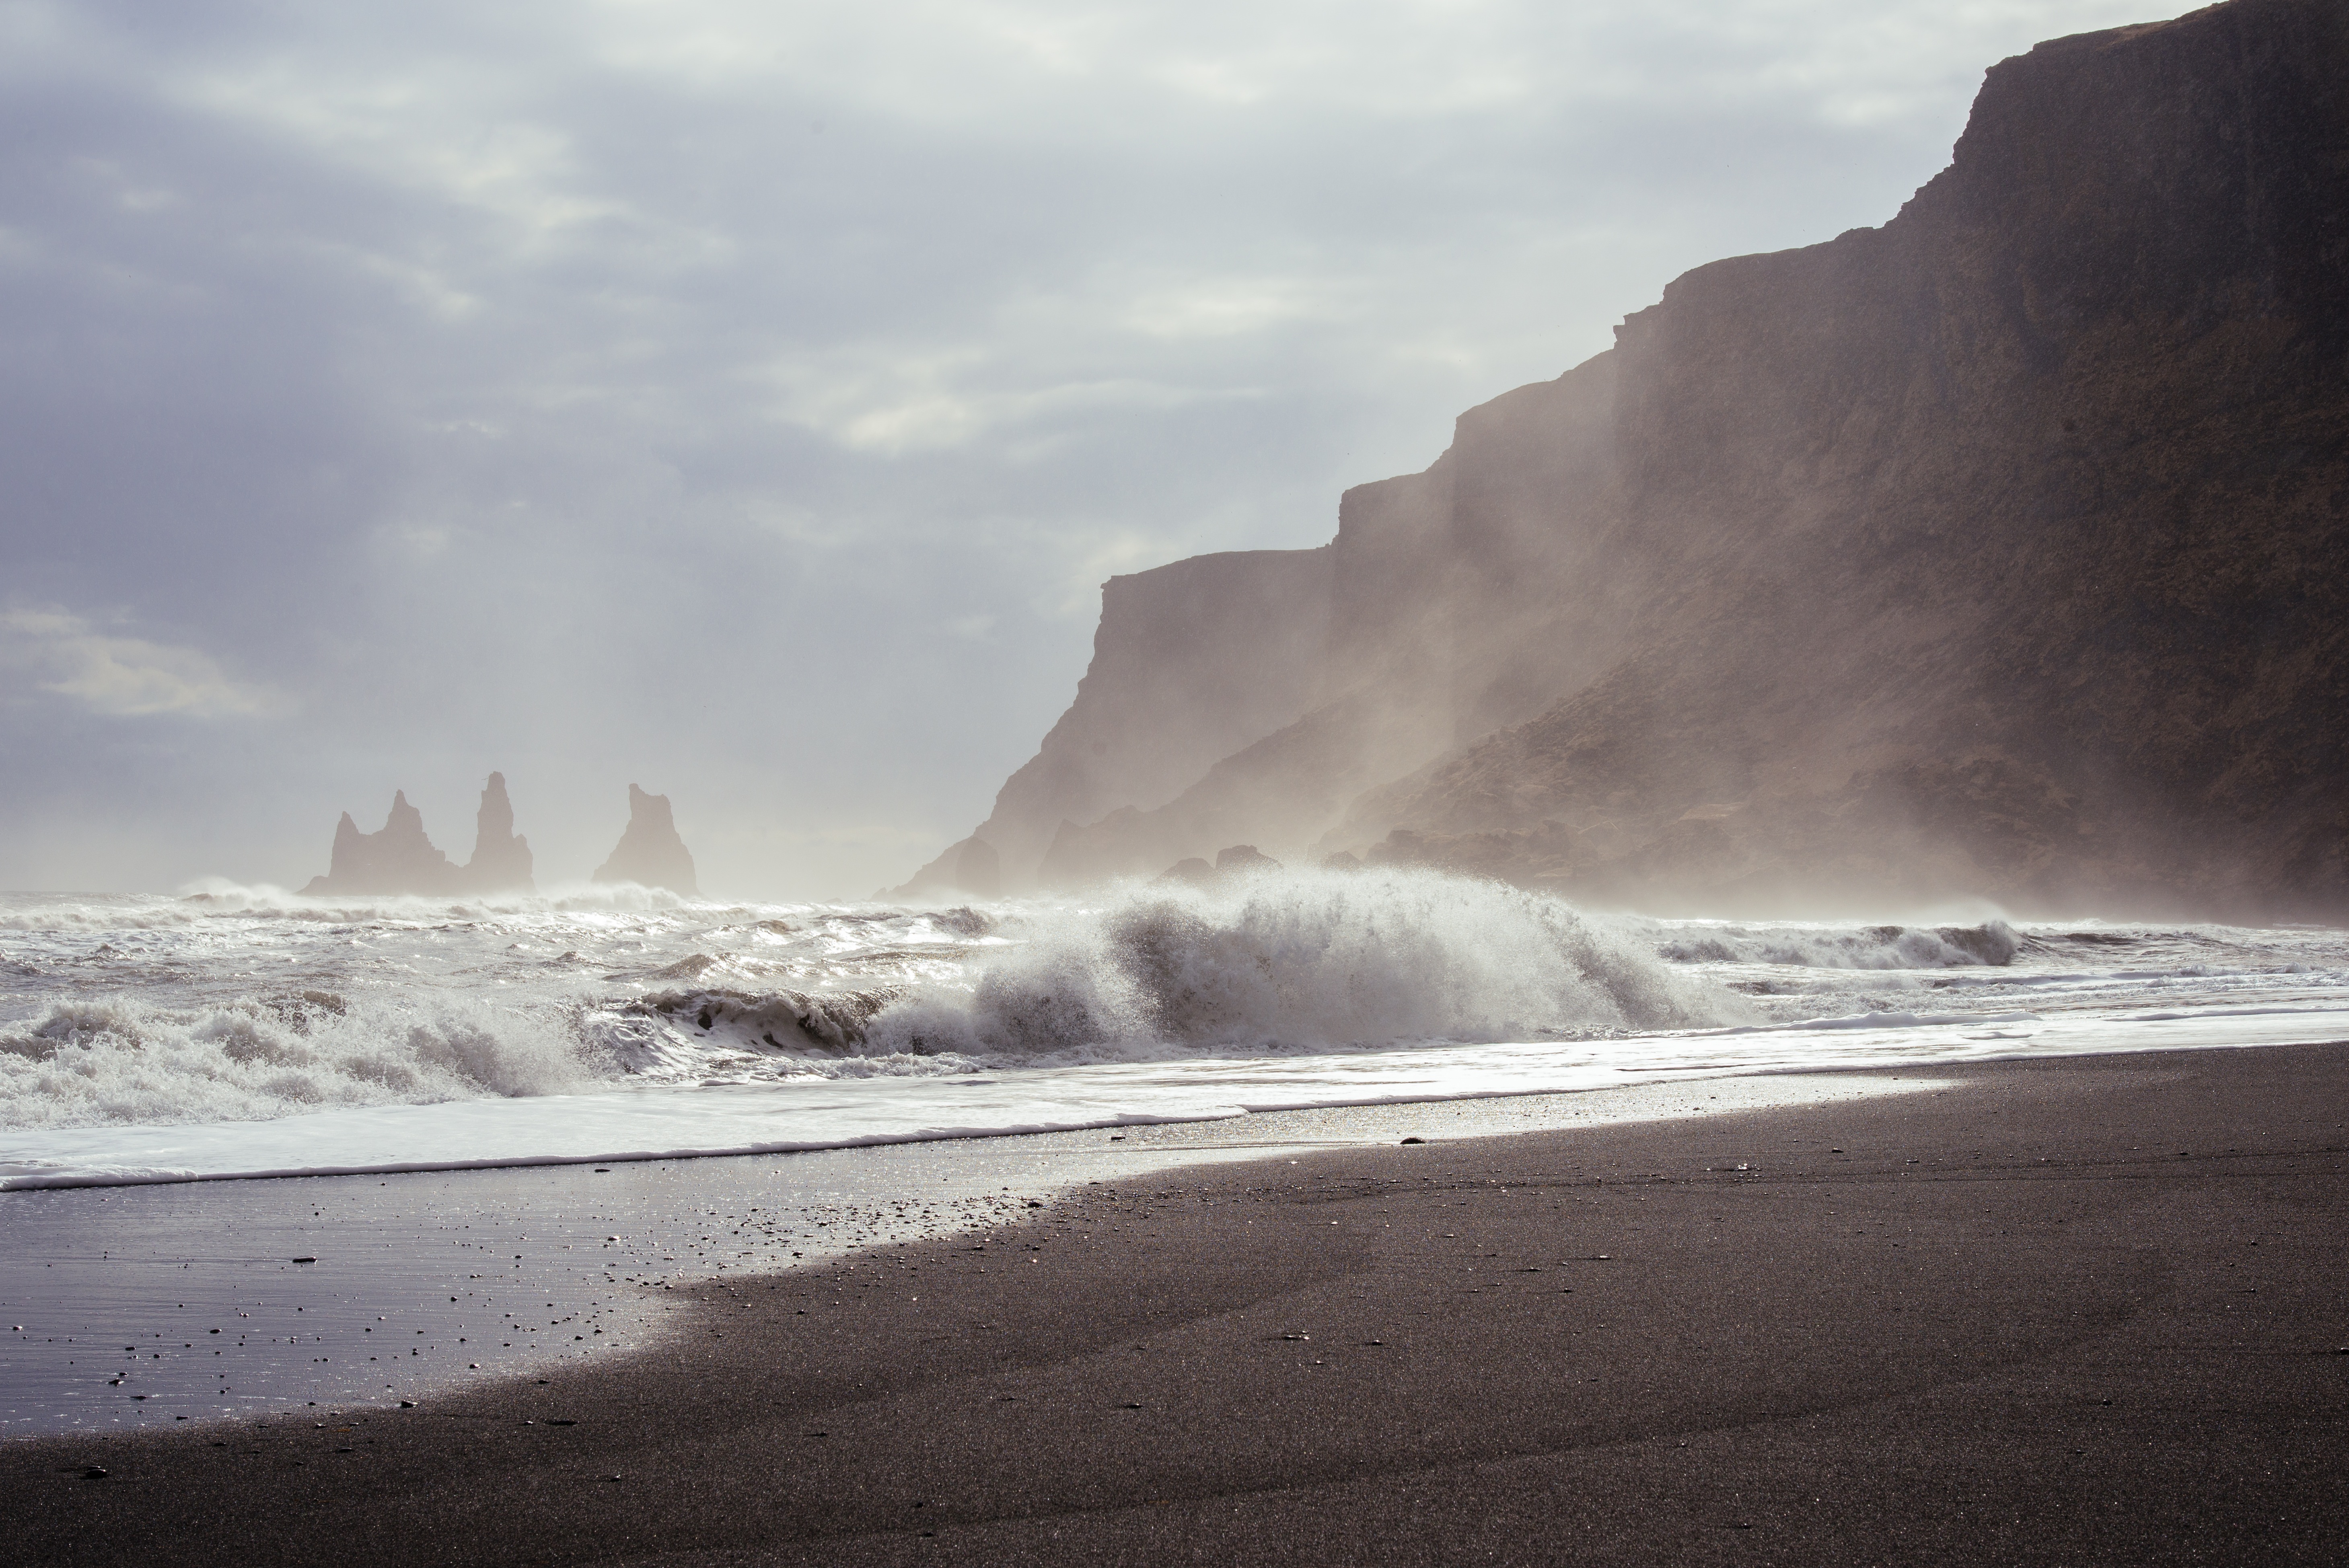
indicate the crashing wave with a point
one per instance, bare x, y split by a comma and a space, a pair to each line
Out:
1293, 962
115, 1059
1304, 959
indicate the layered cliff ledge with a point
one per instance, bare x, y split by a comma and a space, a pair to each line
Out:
1999, 550
649, 852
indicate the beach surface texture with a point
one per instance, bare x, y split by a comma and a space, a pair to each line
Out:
2088, 1310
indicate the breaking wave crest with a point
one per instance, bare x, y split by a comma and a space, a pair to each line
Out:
113, 1059
1286, 961
1296, 960
472, 1005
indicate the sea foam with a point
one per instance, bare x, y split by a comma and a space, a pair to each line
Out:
1291, 960
94, 1060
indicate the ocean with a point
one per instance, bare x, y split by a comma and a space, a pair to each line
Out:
240, 1032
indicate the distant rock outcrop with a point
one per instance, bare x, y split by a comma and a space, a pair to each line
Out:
1994, 550
398, 859
500, 862
1237, 861
649, 853
970, 868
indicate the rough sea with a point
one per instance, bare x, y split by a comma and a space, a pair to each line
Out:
240, 1032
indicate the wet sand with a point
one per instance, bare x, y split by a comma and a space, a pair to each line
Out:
2084, 1311
157, 1304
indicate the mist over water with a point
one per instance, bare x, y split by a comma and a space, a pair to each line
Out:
250, 1030
250, 1004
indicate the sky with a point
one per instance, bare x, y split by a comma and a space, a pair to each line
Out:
746, 399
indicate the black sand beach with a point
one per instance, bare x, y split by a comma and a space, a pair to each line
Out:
2085, 1311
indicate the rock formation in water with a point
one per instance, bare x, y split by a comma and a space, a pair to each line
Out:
400, 860
397, 859
649, 853
500, 862
1999, 550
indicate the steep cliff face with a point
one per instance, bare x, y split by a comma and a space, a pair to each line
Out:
1193, 661
2000, 550
649, 852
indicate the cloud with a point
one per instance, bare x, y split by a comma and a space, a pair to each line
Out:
575, 387
121, 677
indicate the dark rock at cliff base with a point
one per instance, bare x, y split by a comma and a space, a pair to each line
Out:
397, 859
970, 868
500, 862
1994, 550
649, 853
1238, 861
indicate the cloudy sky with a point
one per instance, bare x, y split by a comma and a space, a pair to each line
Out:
747, 399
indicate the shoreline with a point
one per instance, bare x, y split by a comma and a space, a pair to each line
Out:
427, 1256
2074, 1309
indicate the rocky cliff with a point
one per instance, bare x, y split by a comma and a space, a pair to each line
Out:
649, 852
2000, 550
1193, 661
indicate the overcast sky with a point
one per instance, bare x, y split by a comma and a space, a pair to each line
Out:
747, 397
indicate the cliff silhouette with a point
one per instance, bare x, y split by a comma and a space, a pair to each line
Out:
649, 852
1997, 550
400, 859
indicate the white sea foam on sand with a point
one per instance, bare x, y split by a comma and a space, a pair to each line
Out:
247, 1031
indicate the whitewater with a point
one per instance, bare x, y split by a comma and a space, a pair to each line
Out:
239, 1032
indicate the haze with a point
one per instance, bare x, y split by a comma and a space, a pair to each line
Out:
748, 402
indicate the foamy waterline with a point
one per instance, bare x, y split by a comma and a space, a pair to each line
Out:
796, 1117
249, 1033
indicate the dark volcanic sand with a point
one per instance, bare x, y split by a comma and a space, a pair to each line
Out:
2079, 1312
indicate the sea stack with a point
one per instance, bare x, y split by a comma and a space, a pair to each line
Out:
397, 860
500, 862
649, 852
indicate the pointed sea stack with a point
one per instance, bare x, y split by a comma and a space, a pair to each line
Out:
500, 862
397, 860
649, 852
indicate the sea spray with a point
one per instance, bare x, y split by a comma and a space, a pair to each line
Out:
1991, 945
250, 1004
1295, 960
93, 1060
